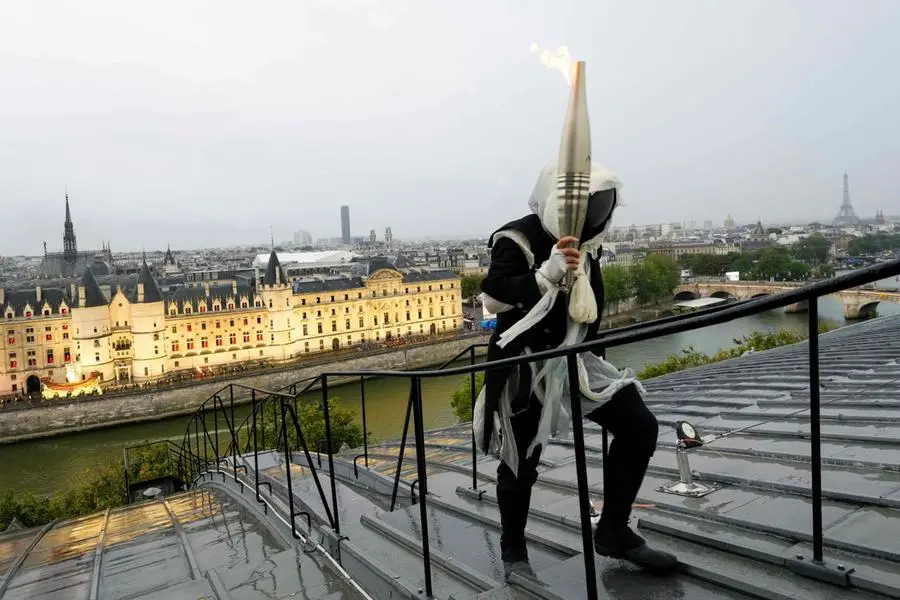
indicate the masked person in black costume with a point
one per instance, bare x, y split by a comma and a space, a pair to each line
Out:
520, 408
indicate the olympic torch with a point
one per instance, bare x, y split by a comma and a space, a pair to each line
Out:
574, 165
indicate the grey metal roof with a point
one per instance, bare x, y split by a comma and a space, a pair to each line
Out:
274, 271
201, 544
151, 289
738, 540
413, 276
18, 299
93, 295
309, 286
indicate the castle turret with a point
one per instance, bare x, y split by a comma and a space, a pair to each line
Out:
91, 322
148, 327
276, 294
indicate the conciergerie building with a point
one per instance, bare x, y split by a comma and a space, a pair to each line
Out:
129, 331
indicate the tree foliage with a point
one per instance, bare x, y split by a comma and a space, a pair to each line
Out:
812, 250
756, 342
461, 401
873, 244
96, 489
618, 286
808, 257
311, 418
471, 285
655, 278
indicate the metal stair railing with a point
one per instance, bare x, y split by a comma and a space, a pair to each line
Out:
284, 405
811, 293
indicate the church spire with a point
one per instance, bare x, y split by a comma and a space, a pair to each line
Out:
70, 248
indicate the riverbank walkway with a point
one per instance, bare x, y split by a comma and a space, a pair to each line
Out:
743, 531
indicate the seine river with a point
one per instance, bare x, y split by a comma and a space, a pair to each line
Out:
49, 464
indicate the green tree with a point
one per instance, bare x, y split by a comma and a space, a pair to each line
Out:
773, 263
812, 250
618, 286
96, 489
706, 265
461, 401
756, 342
344, 429
471, 285
655, 278
873, 244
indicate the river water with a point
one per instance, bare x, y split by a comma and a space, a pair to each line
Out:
49, 464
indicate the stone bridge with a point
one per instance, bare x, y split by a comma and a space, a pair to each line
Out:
857, 303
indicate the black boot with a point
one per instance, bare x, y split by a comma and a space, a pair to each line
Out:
622, 543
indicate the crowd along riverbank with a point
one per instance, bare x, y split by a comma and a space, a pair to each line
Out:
55, 417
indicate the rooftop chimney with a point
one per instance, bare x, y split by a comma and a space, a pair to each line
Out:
81, 296
206, 289
2, 296
37, 293
234, 287
140, 292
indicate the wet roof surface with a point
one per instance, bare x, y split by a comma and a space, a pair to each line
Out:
200, 544
737, 542
748, 530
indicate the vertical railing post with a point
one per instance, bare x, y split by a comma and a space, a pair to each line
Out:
815, 429
474, 449
604, 435
584, 501
216, 427
326, 415
205, 440
197, 443
255, 450
362, 390
418, 423
262, 408
234, 442
402, 449
125, 462
287, 466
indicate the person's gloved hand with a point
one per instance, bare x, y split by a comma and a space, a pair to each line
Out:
554, 268
561, 259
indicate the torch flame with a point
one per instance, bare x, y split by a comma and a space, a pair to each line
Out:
559, 60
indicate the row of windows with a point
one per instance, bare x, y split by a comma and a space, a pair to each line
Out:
29, 313
384, 292
31, 358
188, 309
219, 341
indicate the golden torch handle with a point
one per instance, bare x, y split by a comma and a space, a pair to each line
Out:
574, 165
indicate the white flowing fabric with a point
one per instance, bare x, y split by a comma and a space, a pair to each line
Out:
598, 378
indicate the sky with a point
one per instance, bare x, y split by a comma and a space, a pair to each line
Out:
205, 122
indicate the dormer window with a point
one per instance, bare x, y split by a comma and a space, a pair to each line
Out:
27, 314
46, 312
63, 311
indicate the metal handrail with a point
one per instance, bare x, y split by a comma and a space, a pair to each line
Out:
604, 340
635, 333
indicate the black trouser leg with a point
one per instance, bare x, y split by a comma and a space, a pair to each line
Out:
514, 492
634, 430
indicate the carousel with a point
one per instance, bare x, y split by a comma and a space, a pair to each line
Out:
75, 384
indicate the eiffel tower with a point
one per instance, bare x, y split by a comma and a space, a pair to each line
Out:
846, 215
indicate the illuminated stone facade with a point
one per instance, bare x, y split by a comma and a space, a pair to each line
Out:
132, 332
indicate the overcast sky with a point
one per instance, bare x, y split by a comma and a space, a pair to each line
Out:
204, 122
